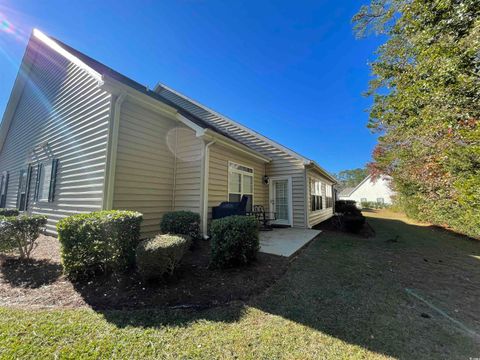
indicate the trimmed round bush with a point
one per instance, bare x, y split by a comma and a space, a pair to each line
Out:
102, 241
161, 255
181, 222
21, 232
346, 206
234, 241
9, 212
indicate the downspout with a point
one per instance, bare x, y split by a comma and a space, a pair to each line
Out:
175, 170
112, 153
205, 170
307, 208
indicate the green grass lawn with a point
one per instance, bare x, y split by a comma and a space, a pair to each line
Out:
344, 297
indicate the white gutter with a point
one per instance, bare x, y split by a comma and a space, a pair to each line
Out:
321, 170
243, 127
213, 135
204, 183
114, 86
112, 153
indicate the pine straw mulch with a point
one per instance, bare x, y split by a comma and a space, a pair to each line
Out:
39, 283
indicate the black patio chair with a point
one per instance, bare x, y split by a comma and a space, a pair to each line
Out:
264, 218
229, 208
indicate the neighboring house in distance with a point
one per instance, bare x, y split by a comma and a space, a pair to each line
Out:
369, 190
78, 136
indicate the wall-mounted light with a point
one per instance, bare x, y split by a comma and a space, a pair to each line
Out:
266, 179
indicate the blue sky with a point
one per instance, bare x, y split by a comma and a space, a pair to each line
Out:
291, 70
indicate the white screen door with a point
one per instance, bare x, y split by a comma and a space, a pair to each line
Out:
280, 200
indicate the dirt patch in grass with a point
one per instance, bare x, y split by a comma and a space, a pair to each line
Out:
39, 283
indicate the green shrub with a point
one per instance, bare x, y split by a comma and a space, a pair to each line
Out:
9, 212
344, 206
373, 205
234, 241
21, 232
181, 222
161, 255
100, 241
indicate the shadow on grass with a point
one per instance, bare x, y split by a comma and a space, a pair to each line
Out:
353, 289
30, 273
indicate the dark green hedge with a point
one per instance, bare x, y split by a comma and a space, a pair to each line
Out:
9, 212
234, 241
161, 255
344, 206
181, 222
103, 241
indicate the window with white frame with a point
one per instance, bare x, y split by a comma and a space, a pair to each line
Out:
46, 180
240, 183
316, 201
328, 197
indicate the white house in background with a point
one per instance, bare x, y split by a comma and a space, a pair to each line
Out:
369, 190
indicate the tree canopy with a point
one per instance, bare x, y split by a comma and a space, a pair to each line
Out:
350, 178
426, 106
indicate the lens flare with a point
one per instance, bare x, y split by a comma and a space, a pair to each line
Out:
5, 25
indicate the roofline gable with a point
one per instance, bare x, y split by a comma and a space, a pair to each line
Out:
271, 142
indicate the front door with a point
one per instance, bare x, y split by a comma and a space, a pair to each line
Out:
280, 200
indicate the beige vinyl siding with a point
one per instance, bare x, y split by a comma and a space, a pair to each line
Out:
188, 170
295, 169
218, 176
282, 162
144, 173
61, 114
158, 165
316, 217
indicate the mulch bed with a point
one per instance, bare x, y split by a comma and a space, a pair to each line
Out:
39, 283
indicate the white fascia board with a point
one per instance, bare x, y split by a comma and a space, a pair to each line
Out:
321, 170
61, 51
233, 122
221, 139
199, 131
360, 184
116, 87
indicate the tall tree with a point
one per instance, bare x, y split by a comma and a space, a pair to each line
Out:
350, 178
426, 91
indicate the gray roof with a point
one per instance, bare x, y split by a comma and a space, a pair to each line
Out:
195, 112
346, 192
107, 71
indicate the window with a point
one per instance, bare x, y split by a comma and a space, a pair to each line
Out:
240, 183
316, 202
380, 201
3, 189
46, 180
329, 197
24, 188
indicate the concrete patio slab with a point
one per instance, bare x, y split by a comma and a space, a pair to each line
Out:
285, 241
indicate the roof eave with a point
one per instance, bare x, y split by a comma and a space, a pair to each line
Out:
312, 164
211, 135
